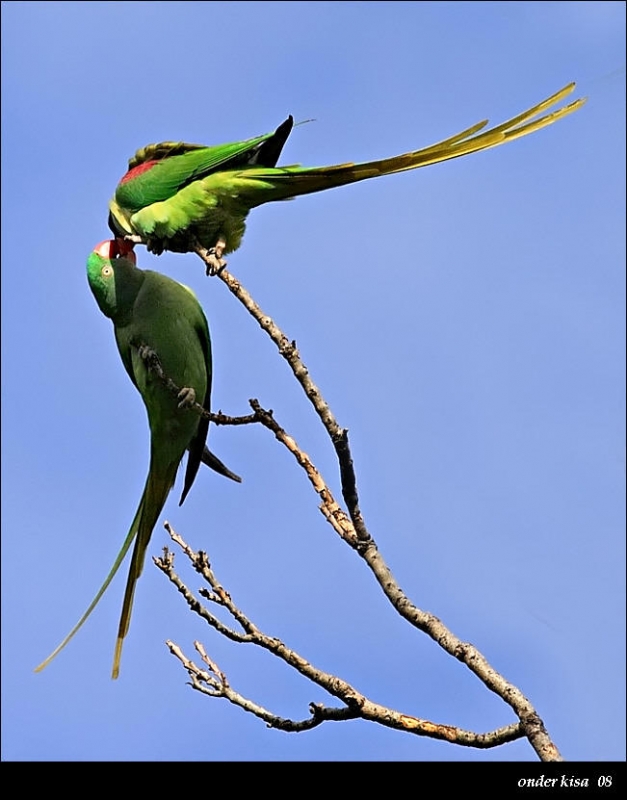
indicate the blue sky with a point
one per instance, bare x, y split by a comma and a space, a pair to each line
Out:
465, 322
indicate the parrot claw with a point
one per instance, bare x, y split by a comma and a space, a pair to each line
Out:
214, 256
187, 397
155, 246
216, 266
146, 353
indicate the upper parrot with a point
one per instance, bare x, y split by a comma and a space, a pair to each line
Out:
153, 314
176, 195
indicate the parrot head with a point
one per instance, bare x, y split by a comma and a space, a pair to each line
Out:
113, 276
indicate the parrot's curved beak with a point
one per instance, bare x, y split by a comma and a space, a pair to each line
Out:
116, 248
124, 249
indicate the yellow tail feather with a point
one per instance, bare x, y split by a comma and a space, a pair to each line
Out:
292, 181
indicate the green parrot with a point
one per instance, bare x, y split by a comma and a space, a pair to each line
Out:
154, 315
175, 195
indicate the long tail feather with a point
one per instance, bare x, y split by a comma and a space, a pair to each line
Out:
152, 501
295, 180
116, 565
158, 487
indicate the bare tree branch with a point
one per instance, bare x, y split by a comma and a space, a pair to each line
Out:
428, 623
214, 682
352, 529
289, 351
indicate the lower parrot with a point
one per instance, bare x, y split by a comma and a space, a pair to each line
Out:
176, 196
154, 316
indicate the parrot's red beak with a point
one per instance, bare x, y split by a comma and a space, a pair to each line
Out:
116, 248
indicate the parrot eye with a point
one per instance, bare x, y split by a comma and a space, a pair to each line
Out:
106, 271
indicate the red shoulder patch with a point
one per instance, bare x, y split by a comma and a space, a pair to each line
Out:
138, 170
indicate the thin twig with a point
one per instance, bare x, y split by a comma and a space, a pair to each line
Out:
289, 351
356, 534
428, 623
331, 510
151, 359
357, 704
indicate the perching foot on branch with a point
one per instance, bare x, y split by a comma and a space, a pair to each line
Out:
148, 355
214, 258
187, 397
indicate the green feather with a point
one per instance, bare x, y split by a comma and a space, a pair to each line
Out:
150, 309
176, 166
192, 195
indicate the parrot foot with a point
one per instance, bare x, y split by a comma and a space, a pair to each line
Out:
155, 246
147, 353
214, 256
187, 397
149, 357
